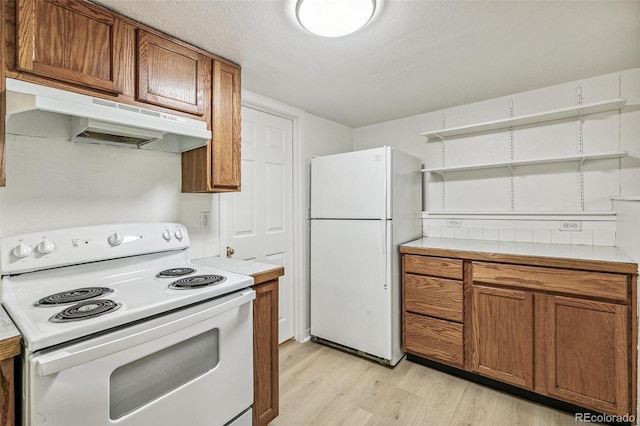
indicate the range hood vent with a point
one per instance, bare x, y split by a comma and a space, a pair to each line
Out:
95, 131
101, 121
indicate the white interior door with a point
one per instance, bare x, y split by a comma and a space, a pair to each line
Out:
257, 222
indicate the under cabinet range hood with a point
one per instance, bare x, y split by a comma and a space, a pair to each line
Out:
95, 120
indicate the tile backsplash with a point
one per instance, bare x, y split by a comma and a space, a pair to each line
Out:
591, 233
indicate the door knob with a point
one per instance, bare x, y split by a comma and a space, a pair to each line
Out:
230, 251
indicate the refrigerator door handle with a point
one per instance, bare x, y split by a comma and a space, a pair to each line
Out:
387, 209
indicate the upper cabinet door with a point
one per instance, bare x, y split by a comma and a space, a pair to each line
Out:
68, 41
226, 126
170, 75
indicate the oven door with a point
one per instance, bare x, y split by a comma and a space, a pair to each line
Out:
193, 366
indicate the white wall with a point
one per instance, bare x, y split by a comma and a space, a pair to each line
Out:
628, 226
323, 137
529, 203
204, 243
53, 183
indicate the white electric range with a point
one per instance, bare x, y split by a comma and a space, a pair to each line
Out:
118, 327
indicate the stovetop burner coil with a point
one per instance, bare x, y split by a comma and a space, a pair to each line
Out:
175, 272
197, 281
73, 296
85, 310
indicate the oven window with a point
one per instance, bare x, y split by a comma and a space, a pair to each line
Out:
136, 384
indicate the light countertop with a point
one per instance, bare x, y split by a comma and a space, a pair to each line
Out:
482, 249
9, 336
259, 271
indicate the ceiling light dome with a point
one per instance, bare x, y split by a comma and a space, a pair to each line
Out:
334, 18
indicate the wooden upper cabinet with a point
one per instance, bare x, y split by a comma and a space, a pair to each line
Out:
170, 74
69, 41
216, 167
226, 126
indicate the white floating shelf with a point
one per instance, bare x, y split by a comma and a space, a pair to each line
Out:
626, 198
428, 213
523, 120
581, 157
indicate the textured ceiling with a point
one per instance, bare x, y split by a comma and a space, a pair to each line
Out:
413, 57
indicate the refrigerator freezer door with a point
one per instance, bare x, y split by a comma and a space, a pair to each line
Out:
350, 292
353, 185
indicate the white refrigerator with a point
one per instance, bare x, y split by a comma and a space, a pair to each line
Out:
364, 204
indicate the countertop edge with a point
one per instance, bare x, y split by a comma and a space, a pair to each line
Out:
10, 347
10, 337
269, 275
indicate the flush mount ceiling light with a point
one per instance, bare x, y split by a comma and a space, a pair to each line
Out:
334, 18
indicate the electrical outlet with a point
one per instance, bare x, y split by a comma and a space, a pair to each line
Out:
454, 223
204, 220
571, 226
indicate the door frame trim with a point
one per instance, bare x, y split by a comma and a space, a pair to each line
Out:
299, 238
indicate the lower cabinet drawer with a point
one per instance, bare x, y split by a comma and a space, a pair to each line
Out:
433, 338
556, 280
436, 297
434, 266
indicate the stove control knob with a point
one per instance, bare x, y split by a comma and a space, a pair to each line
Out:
166, 235
179, 234
22, 250
46, 246
116, 238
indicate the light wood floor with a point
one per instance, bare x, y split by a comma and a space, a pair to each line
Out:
320, 385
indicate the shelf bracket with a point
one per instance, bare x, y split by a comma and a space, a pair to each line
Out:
581, 182
580, 150
444, 164
580, 99
511, 158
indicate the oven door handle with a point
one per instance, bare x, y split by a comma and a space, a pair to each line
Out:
64, 359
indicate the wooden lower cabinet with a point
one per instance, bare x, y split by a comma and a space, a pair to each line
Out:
7, 394
265, 353
587, 353
10, 348
564, 332
432, 298
502, 346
